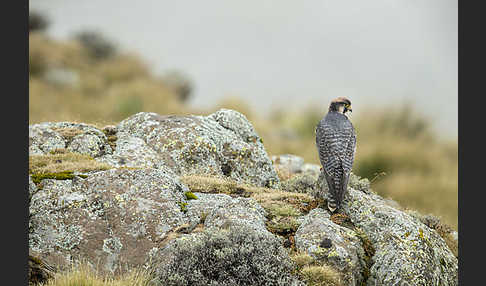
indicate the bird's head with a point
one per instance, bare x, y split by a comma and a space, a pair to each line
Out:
341, 105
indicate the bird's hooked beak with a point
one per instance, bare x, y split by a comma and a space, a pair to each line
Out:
348, 108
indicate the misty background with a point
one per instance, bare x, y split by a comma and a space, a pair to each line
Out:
287, 53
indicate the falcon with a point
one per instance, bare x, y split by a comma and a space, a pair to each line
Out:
336, 146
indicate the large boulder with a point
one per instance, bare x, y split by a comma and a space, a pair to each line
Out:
223, 144
406, 251
112, 217
140, 214
332, 244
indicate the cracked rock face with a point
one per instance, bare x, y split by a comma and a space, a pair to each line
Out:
223, 143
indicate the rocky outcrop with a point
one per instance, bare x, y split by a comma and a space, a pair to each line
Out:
122, 216
223, 143
407, 251
140, 214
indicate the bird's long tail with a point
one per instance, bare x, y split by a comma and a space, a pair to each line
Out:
336, 193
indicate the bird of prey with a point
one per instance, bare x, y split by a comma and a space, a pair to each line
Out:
336, 146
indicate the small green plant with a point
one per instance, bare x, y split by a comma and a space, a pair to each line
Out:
190, 196
183, 206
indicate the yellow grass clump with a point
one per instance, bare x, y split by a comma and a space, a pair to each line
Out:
63, 161
315, 273
84, 275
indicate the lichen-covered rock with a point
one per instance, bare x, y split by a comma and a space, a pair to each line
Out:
407, 252
32, 187
332, 244
222, 211
43, 139
289, 163
223, 143
111, 218
76, 137
133, 152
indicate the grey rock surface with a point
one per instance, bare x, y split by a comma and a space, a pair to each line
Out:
300, 183
223, 143
223, 211
132, 214
112, 217
124, 216
332, 244
407, 251
75, 137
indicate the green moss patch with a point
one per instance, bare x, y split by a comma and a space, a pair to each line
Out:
66, 175
190, 196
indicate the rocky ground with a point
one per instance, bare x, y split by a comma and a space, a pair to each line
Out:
196, 199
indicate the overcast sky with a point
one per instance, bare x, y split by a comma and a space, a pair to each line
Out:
287, 53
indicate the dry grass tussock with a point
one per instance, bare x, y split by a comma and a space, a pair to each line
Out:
64, 161
315, 273
281, 202
283, 208
84, 275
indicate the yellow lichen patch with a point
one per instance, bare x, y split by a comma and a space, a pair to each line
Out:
62, 162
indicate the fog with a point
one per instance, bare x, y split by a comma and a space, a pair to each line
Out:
287, 53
